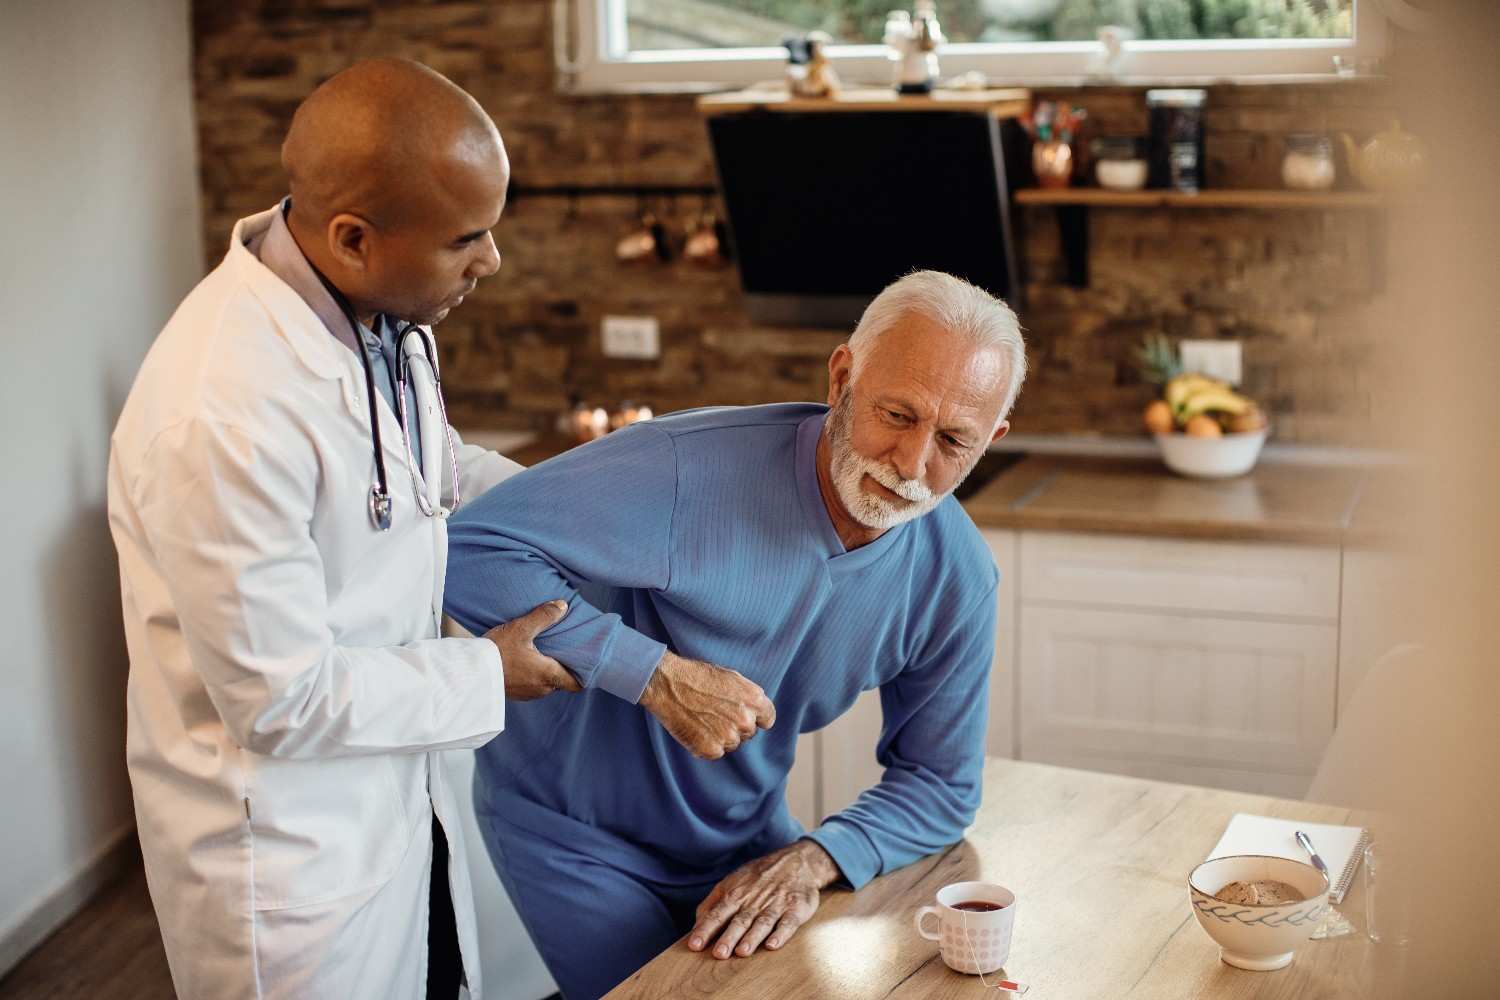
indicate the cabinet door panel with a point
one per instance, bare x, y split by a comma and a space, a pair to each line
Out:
1215, 577
802, 782
1183, 689
848, 752
1001, 738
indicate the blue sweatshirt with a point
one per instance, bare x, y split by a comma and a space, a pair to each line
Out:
705, 532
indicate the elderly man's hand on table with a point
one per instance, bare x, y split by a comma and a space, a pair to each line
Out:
765, 900
709, 709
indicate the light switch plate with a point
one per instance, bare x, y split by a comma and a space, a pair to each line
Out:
1220, 359
631, 337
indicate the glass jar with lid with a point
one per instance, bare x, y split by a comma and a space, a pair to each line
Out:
1308, 163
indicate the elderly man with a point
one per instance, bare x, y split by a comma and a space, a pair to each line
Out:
815, 550
277, 486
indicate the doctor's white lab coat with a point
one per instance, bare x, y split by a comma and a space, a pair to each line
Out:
289, 697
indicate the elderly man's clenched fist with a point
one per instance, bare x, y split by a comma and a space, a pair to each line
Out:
710, 710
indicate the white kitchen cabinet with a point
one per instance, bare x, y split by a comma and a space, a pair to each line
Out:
835, 763
1202, 661
848, 753
1004, 546
1200, 695
1239, 578
802, 783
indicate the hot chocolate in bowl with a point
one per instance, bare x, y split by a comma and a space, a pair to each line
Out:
1258, 936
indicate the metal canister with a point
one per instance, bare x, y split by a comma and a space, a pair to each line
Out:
1176, 125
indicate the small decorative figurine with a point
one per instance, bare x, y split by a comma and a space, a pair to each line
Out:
814, 76
914, 40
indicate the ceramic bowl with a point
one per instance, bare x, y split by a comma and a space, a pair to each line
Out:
1211, 458
1258, 938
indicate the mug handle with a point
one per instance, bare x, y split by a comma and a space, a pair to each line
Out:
925, 912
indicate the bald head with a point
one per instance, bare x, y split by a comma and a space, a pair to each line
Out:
397, 177
376, 138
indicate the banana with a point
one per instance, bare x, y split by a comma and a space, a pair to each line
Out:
1179, 389
1214, 400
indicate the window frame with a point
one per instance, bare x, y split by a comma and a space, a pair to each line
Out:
590, 36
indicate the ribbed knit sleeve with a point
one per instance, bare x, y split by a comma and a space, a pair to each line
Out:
541, 534
932, 748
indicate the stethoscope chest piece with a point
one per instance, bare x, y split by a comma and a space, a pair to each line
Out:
380, 508
380, 494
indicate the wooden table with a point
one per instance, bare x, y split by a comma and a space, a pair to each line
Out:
1099, 865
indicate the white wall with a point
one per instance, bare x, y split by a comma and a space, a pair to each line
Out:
99, 239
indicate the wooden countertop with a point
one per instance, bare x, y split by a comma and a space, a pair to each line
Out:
1099, 866
1277, 502
1210, 198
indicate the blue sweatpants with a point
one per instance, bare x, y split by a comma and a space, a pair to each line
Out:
594, 923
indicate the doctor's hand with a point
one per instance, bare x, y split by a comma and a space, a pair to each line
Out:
764, 901
530, 674
710, 710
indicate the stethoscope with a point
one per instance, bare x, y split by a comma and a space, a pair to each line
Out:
380, 493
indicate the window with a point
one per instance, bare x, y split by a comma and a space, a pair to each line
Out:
694, 44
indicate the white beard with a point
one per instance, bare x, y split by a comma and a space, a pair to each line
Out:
848, 469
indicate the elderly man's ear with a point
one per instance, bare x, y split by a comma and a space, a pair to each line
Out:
840, 367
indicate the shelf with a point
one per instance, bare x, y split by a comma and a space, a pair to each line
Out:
1009, 102
1224, 198
1072, 205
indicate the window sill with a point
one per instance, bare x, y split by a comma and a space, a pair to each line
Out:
698, 87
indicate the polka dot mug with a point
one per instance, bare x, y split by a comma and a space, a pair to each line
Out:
974, 921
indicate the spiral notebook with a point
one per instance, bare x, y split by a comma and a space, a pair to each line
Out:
1341, 847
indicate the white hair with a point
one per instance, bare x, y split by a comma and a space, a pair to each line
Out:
957, 307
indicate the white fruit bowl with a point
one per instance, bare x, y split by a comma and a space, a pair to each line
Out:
1258, 938
1211, 458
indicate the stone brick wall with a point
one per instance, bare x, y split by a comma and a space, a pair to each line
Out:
1294, 286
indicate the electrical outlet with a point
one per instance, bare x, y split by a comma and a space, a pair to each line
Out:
1220, 359
631, 337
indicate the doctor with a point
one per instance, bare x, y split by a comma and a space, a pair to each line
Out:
278, 485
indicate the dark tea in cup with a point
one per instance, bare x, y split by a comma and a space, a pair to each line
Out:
974, 923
